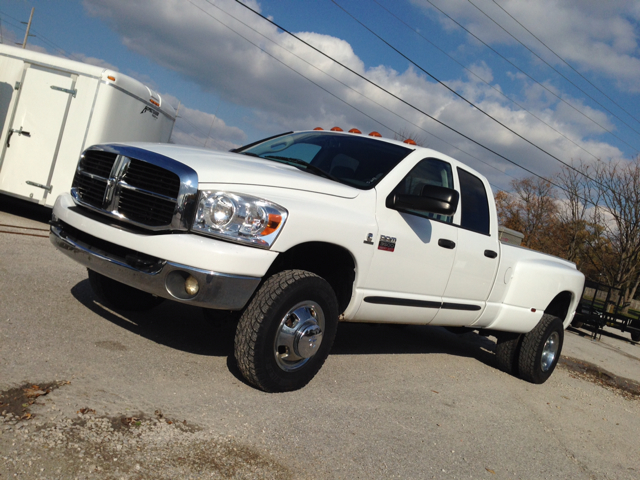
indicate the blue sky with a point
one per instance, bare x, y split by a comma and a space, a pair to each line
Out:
231, 92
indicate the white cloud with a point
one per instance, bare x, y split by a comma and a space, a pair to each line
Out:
182, 38
597, 36
196, 128
98, 62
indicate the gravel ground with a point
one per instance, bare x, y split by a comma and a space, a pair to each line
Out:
90, 393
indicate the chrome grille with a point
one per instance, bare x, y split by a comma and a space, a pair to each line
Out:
136, 186
92, 176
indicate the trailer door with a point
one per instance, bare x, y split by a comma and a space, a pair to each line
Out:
35, 131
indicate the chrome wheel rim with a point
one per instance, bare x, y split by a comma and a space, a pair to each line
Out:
299, 335
550, 351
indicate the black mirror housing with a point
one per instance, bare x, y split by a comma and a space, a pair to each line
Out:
434, 199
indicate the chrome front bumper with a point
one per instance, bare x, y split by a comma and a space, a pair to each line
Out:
159, 277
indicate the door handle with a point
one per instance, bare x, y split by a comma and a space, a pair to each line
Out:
19, 132
490, 254
444, 243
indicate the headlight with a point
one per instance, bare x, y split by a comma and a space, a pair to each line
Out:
239, 218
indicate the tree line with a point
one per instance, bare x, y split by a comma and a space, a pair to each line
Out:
591, 216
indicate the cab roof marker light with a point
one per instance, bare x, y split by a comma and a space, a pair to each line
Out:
112, 78
375, 134
354, 130
410, 142
318, 128
337, 129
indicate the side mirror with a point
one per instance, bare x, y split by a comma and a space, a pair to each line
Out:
434, 199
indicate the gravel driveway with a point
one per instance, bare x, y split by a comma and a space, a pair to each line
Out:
91, 393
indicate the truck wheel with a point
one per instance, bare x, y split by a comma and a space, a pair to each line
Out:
286, 332
540, 350
120, 296
507, 351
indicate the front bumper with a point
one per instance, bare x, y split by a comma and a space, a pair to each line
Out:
116, 254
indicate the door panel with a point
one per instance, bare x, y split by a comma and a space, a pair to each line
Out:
40, 112
477, 255
413, 255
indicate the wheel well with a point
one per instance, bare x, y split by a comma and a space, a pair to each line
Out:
559, 306
333, 263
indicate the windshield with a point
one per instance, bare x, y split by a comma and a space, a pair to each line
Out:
354, 160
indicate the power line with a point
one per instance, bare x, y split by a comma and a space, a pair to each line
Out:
566, 63
459, 95
396, 96
529, 76
497, 90
550, 66
41, 38
359, 93
290, 68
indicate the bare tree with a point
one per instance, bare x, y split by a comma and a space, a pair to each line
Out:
532, 210
419, 138
573, 211
616, 246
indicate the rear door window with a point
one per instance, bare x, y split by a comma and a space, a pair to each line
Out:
474, 202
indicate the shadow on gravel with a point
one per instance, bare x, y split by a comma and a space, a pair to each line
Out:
175, 325
23, 208
185, 328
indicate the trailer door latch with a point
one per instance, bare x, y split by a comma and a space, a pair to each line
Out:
19, 132
39, 185
65, 90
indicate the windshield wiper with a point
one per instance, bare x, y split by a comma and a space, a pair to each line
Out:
296, 162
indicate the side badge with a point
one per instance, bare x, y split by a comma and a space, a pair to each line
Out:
387, 243
369, 240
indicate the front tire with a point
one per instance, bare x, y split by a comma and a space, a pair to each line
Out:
119, 296
286, 332
540, 350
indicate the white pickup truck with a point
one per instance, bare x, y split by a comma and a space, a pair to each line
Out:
298, 232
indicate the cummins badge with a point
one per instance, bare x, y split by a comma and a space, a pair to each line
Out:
387, 243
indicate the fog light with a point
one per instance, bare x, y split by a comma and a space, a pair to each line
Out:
191, 285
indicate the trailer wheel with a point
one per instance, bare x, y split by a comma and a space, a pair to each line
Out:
120, 296
507, 351
540, 350
287, 330
635, 336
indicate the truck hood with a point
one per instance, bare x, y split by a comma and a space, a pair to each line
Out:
233, 168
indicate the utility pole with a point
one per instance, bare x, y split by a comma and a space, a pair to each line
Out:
26, 35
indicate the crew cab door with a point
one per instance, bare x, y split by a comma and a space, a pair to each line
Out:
477, 254
414, 251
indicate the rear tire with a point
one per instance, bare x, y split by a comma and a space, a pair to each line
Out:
119, 296
507, 352
540, 350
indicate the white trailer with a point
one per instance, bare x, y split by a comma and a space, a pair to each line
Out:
52, 108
